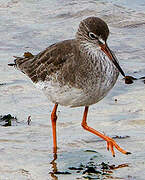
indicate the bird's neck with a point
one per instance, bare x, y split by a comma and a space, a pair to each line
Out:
94, 55
90, 50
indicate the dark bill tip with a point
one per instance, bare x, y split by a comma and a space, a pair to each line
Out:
112, 57
11, 64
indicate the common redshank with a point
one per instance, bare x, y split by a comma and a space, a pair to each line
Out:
76, 72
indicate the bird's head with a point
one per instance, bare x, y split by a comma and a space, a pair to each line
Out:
95, 31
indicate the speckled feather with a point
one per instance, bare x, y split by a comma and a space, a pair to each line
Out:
73, 72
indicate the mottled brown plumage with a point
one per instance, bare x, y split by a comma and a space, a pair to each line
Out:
44, 64
77, 63
76, 72
40, 66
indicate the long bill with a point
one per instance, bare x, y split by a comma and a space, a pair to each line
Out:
112, 57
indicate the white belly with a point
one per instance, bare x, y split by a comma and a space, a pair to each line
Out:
64, 96
71, 96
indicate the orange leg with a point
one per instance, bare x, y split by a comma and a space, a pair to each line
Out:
110, 142
53, 120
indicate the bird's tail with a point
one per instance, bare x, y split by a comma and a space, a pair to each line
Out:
18, 61
14, 63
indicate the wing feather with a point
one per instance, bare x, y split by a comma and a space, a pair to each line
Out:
39, 67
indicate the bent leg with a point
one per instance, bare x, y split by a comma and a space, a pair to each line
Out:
110, 142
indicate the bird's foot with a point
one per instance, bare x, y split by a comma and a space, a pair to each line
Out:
111, 144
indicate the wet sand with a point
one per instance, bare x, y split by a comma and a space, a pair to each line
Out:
26, 150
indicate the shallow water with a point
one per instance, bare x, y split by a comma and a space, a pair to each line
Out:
26, 151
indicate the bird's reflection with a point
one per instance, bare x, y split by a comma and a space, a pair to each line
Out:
54, 167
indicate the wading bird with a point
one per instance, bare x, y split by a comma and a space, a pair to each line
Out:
76, 72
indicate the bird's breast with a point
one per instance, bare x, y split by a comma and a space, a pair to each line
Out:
101, 73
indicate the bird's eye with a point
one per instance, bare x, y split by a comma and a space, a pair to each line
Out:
92, 35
